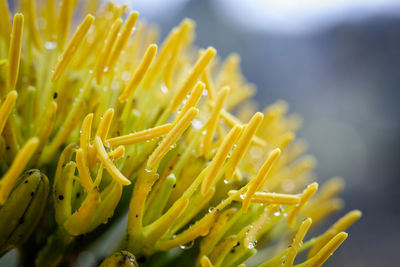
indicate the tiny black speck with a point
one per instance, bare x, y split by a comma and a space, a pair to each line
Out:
32, 193
174, 186
60, 197
30, 172
7, 147
78, 195
26, 181
137, 215
55, 95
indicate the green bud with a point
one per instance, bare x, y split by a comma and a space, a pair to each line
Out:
21, 212
120, 259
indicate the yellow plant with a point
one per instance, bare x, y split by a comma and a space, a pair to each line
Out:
166, 138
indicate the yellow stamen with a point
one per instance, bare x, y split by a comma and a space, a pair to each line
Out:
219, 158
200, 228
108, 164
107, 49
117, 153
6, 108
269, 198
105, 123
214, 119
14, 54
192, 100
85, 136
205, 77
243, 144
307, 194
286, 139
171, 138
32, 22
297, 242
162, 58
140, 137
64, 22
231, 121
341, 225
85, 179
78, 223
158, 228
205, 262
18, 165
185, 32
139, 73
122, 39
328, 249
5, 18
72, 47
198, 68
258, 182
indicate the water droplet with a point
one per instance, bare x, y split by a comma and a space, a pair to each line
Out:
187, 246
50, 45
90, 71
126, 76
242, 196
197, 124
211, 209
277, 213
163, 88
226, 181
251, 245
105, 69
205, 93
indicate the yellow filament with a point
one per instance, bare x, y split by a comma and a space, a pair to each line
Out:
286, 139
117, 153
214, 119
32, 22
171, 138
197, 70
259, 181
122, 39
108, 164
140, 137
64, 22
205, 77
341, 225
328, 249
297, 242
18, 165
105, 123
5, 18
205, 262
219, 158
85, 136
85, 179
192, 100
269, 198
307, 194
107, 48
231, 121
185, 31
330, 189
78, 223
200, 228
139, 73
6, 108
163, 56
243, 144
72, 47
14, 54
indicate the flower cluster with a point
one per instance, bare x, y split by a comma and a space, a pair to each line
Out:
167, 139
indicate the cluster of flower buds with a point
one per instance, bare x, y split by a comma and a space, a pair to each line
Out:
166, 138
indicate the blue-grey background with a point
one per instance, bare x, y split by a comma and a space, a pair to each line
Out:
344, 79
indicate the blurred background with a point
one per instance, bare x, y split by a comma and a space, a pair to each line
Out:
336, 62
